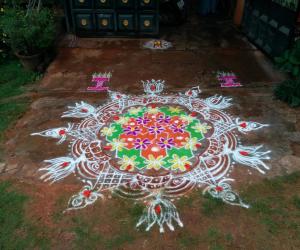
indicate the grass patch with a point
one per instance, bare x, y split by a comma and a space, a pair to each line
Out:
186, 201
212, 206
187, 240
10, 112
60, 205
15, 231
117, 241
296, 201
135, 211
290, 178
92, 233
214, 237
272, 207
229, 238
87, 236
272, 225
213, 234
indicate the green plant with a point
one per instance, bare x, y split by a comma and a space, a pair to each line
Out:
3, 47
4, 52
13, 79
28, 32
289, 91
290, 60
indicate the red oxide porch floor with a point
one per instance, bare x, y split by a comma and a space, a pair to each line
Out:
67, 78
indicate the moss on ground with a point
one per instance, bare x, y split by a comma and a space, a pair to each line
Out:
15, 231
272, 220
13, 79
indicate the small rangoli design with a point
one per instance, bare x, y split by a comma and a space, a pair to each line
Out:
157, 45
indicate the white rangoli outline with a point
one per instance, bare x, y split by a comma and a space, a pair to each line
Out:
93, 166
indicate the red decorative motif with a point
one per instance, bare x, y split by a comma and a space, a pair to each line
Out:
65, 164
187, 166
157, 209
86, 193
107, 147
244, 153
62, 132
243, 125
129, 167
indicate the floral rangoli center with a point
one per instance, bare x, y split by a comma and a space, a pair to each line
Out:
155, 137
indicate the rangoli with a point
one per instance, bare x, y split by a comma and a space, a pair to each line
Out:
100, 79
228, 80
157, 45
153, 148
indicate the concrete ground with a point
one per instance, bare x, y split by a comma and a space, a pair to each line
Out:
200, 49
